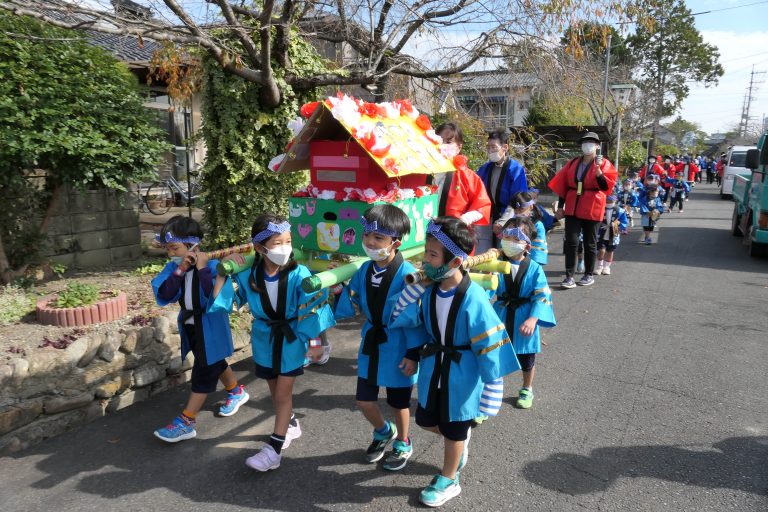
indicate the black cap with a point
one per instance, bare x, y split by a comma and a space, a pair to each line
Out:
589, 136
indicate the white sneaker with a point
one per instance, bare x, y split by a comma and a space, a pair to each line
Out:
465, 451
598, 270
291, 434
325, 357
606, 271
264, 460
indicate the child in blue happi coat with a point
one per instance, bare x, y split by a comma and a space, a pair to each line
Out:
388, 357
286, 326
613, 225
523, 302
651, 207
188, 280
467, 346
678, 192
627, 199
523, 205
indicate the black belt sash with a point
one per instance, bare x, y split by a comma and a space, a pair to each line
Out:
194, 310
445, 189
279, 327
439, 397
511, 296
377, 299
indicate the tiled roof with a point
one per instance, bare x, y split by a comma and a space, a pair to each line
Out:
481, 80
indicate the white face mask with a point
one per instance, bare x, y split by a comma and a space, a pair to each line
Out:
609, 206
512, 249
378, 254
449, 150
177, 259
495, 156
588, 148
280, 255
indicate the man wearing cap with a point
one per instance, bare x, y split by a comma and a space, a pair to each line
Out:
581, 187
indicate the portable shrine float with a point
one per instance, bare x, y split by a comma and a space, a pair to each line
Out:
360, 154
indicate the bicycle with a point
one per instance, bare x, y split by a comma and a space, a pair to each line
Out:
164, 194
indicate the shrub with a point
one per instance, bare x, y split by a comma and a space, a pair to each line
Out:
77, 295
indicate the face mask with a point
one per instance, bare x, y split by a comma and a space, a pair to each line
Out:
523, 214
588, 148
626, 188
280, 255
438, 273
449, 150
378, 254
609, 206
512, 249
494, 156
177, 259
651, 162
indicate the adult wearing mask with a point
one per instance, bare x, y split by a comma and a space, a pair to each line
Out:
651, 168
461, 194
503, 177
581, 186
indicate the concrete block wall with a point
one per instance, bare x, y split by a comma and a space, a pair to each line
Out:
95, 228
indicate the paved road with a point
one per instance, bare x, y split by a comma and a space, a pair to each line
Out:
652, 395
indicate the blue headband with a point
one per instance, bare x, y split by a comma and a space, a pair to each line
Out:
272, 229
371, 227
437, 231
525, 204
170, 238
516, 233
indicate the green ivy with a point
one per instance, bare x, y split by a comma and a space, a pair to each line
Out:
241, 138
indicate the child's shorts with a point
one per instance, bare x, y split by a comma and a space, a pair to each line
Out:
527, 361
205, 377
603, 244
451, 430
263, 372
397, 398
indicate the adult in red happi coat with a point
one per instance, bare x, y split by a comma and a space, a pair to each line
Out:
582, 186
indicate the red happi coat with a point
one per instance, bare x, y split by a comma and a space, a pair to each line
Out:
692, 170
467, 193
655, 169
590, 205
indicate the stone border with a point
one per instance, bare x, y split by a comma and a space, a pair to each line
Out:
103, 311
49, 391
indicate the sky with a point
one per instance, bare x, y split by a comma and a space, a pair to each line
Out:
741, 36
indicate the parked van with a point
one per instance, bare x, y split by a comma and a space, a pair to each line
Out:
735, 164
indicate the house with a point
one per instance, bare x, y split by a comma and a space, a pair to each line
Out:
498, 98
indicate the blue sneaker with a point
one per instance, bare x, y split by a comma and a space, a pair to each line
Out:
179, 430
235, 399
439, 491
397, 460
376, 449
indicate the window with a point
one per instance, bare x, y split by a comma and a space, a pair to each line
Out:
738, 159
523, 105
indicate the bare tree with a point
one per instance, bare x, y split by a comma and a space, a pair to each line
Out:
250, 39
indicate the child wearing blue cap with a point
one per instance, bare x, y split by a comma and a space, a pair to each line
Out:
609, 233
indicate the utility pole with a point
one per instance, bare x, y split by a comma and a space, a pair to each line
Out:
605, 84
745, 117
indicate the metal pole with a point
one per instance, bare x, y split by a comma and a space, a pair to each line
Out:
605, 85
187, 130
618, 143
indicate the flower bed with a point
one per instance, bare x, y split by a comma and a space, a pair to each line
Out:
106, 310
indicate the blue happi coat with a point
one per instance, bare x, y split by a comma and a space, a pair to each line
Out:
217, 336
279, 339
627, 198
647, 205
547, 218
539, 251
613, 237
514, 304
477, 350
680, 188
511, 181
380, 353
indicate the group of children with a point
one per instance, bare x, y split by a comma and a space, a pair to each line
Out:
444, 335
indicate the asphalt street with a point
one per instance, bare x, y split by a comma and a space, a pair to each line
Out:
651, 395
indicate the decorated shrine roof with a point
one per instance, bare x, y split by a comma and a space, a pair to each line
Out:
396, 137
